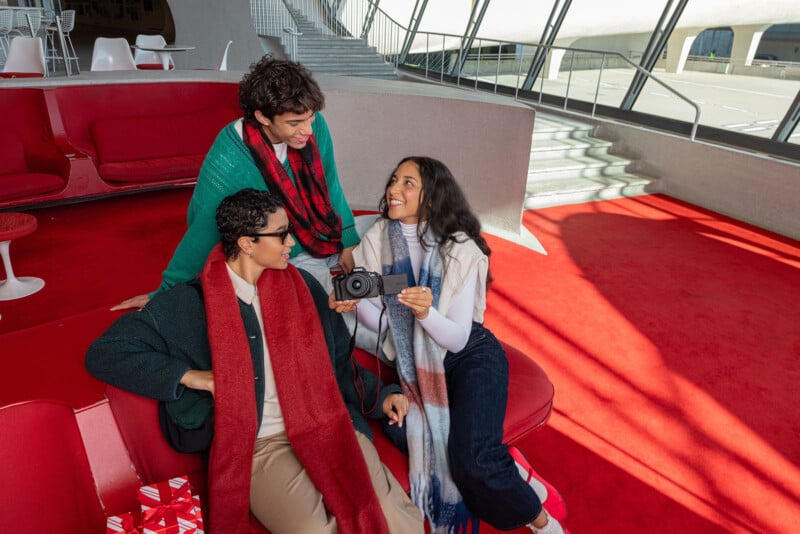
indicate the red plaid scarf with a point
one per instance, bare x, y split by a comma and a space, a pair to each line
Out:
307, 201
317, 422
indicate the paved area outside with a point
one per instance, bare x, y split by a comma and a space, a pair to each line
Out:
749, 104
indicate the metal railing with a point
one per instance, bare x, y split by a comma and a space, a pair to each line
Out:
273, 19
435, 54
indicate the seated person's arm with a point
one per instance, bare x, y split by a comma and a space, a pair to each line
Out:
452, 332
133, 355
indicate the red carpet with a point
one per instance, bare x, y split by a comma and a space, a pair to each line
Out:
95, 254
672, 336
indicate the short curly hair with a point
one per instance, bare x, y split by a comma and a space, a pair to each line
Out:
277, 86
242, 214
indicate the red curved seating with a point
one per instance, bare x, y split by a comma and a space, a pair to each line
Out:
529, 406
64, 472
30, 161
46, 483
60, 143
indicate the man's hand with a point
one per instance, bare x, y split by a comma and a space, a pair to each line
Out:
340, 306
395, 406
202, 380
137, 302
346, 261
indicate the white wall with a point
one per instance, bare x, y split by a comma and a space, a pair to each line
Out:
757, 189
484, 140
208, 26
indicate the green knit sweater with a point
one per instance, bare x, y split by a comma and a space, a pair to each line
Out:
228, 168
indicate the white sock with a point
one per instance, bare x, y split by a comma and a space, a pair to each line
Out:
552, 527
538, 487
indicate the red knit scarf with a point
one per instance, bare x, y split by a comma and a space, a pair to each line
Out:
315, 224
317, 422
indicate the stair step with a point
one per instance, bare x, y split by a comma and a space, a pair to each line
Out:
340, 60
579, 190
576, 166
351, 69
320, 42
568, 148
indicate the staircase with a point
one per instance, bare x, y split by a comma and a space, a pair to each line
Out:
324, 53
568, 166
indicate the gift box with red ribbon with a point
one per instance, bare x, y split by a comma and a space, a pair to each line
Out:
123, 523
168, 507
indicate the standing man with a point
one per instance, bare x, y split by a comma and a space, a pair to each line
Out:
282, 145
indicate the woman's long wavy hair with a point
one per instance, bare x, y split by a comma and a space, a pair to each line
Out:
443, 207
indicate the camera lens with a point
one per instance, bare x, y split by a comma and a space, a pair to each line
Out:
358, 285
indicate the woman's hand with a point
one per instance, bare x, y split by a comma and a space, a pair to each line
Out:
346, 261
395, 406
196, 379
137, 302
419, 299
340, 306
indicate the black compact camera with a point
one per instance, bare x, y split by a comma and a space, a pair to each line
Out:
361, 284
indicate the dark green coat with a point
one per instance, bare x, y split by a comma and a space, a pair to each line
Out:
147, 352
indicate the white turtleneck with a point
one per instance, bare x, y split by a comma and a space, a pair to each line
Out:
450, 332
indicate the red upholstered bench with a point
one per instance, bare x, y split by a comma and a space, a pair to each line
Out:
154, 148
530, 403
30, 162
121, 438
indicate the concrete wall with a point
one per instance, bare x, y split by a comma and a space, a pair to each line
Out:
760, 190
208, 26
484, 140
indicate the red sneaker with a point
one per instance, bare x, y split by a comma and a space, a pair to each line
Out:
549, 496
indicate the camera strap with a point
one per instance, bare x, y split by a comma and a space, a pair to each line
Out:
358, 378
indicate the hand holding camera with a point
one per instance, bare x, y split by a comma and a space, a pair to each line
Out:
361, 284
419, 299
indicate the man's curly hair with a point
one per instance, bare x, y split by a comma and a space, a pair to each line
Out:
277, 86
243, 214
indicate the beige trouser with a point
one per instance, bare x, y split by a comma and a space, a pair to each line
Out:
285, 500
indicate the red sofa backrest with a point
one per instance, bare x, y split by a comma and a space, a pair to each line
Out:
46, 483
83, 105
30, 162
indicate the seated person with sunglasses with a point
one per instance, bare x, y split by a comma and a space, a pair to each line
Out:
241, 360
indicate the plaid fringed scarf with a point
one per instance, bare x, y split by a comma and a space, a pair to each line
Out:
420, 365
317, 422
315, 224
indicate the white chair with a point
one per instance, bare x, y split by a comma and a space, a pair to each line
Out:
223, 59
25, 58
150, 60
112, 53
67, 25
13, 226
27, 22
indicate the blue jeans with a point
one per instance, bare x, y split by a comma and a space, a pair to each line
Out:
484, 472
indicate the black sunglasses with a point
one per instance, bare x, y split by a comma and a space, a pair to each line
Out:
282, 234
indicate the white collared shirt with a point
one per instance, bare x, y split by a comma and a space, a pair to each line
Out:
272, 420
